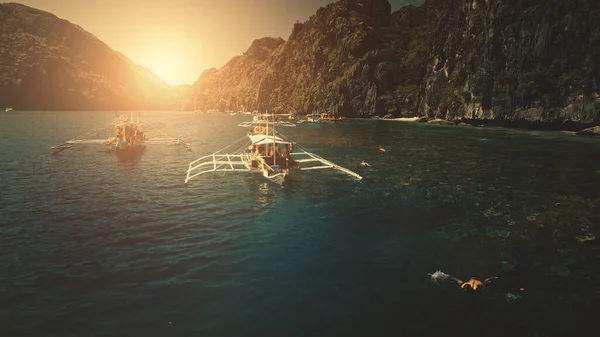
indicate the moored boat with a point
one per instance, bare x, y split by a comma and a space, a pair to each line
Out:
130, 138
311, 119
263, 151
331, 117
263, 119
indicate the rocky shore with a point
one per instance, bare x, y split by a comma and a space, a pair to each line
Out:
580, 128
593, 131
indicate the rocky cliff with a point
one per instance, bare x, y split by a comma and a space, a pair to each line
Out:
234, 86
511, 59
534, 60
320, 66
47, 63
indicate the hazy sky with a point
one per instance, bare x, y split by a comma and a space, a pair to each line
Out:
178, 39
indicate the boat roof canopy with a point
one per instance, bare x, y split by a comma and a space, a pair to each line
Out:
264, 139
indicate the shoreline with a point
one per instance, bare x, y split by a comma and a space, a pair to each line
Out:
569, 126
405, 119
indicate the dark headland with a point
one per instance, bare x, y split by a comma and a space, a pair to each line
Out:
47, 63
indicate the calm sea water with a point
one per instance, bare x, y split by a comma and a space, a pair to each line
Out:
92, 245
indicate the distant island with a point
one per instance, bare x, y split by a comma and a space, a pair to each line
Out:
486, 61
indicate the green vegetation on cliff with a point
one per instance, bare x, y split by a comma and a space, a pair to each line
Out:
536, 60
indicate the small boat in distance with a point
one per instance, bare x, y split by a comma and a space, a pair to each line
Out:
8, 109
263, 151
130, 138
331, 117
311, 119
263, 119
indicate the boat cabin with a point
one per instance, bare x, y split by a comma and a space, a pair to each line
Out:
271, 151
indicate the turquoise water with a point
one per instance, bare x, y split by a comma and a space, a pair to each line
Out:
97, 246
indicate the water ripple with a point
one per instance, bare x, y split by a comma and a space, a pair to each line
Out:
97, 246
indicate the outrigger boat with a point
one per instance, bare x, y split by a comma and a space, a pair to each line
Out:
129, 138
311, 119
263, 151
258, 119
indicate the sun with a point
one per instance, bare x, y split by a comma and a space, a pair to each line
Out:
165, 65
169, 57
166, 69
165, 61
173, 67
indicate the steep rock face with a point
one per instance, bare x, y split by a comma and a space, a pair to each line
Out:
49, 63
508, 59
535, 60
326, 65
235, 85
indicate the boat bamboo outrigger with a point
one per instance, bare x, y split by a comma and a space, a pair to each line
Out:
130, 137
264, 151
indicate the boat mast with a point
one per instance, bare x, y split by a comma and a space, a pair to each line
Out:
274, 160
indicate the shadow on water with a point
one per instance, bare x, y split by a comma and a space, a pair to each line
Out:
133, 155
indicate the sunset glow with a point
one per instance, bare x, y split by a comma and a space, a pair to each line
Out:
166, 70
178, 39
171, 62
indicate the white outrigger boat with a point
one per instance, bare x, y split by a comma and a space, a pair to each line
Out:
313, 118
262, 151
258, 119
129, 138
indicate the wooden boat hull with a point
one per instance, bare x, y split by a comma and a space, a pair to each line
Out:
278, 178
129, 152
